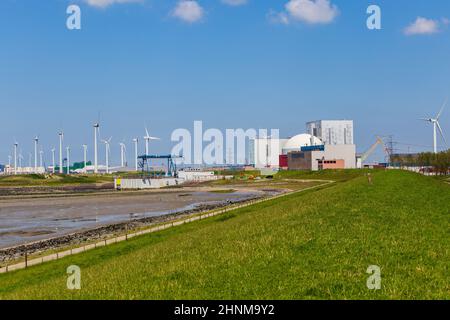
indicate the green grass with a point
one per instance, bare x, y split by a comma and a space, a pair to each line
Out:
335, 175
52, 180
311, 245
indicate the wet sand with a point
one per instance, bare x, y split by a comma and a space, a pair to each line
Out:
32, 219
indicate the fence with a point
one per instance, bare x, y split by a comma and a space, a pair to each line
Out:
55, 256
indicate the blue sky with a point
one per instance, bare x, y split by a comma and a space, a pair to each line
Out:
231, 66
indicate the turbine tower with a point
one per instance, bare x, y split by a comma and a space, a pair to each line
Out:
16, 145
20, 159
96, 129
107, 142
123, 148
41, 156
53, 159
147, 139
36, 142
436, 127
136, 140
68, 160
61, 138
85, 156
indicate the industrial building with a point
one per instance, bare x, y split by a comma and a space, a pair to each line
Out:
265, 152
196, 175
328, 144
10, 170
335, 132
323, 157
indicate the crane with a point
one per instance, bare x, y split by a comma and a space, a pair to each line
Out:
380, 142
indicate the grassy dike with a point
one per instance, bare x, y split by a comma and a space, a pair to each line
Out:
40, 180
312, 245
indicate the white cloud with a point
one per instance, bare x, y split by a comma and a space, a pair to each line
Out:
107, 3
235, 2
422, 26
188, 11
312, 11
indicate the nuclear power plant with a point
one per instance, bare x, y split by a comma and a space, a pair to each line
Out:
327, 144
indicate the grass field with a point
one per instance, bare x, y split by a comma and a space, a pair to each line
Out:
312, 245
52, 180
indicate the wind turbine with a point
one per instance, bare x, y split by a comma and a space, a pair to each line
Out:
53, 159
41, 155
85, 156
36, 142
136, 140
147, 139
20, 159
96, 130
123, 149
61, 138
16, 144
107, 142
9, 161
436, 126
68, 160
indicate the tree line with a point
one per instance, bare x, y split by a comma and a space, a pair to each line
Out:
438, 163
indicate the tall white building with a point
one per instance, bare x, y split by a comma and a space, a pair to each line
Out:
332, 132
265, 152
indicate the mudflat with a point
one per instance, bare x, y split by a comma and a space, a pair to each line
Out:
30, 219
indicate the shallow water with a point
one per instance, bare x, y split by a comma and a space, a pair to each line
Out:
23, 221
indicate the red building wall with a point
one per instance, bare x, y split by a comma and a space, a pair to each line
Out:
283, 160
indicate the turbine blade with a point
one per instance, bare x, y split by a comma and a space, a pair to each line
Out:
146, 132
442, 133
442, 109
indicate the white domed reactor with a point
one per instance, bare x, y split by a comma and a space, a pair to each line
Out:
301, 140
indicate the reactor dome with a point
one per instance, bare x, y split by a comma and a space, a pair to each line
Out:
301, 140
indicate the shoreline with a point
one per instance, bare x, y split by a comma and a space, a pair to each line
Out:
103, 232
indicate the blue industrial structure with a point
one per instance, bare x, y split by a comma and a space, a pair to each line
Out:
145, 164
313, 148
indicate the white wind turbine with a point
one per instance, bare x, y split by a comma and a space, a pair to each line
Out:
136, 140
96, 130
36, 142
107, 142
68, 160
16, 145
85, 156
53, 159
61, 138
436, 126
41, 158
123, 149
147, 139
20, 159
